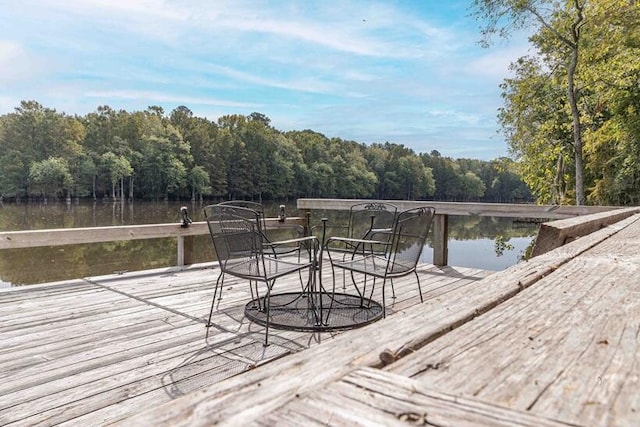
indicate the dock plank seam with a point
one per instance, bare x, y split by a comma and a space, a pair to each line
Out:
146, 301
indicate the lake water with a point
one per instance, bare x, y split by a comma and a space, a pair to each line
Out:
472, 240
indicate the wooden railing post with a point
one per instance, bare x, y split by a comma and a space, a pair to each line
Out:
188, 251
180, 260
440, 239
185, 250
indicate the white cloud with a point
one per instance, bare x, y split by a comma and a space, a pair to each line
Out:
459, 117
16, 63
149, 96
356, 69
494, 63
304, 84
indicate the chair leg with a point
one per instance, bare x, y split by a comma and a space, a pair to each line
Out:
302, 286
355, 286
419, 287
384, 304
255, 296
213, 301
267, 307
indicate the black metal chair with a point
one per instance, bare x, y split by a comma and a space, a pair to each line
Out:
294, 232
369, 220
393, 253
365, 220
243, 252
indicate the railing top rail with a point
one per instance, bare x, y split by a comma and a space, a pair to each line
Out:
73, 236
467, 208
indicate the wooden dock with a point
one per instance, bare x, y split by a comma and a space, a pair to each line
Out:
552, 341
98, 350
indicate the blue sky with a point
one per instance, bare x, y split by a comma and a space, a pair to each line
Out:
406, 72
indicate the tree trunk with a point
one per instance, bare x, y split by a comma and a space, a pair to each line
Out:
577, 131
573, 103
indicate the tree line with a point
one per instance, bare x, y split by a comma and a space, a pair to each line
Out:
178, 156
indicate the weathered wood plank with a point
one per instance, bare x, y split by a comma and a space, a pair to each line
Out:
441, 239
508, 210
167, 371
99, 350
74, 236
554, 234
258, 392
565, 348
368, 397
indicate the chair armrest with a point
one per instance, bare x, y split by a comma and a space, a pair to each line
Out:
325, 229
371, 234
308, 244
355, 246
381, 230
356, 241
313, 239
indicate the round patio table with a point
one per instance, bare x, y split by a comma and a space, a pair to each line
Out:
321, 311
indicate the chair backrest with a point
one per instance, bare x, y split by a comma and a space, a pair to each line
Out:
283, 233
365, 217
409, 237
236, 233
254, 206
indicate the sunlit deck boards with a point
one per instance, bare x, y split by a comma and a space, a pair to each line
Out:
566, 348
95, 351
554, 341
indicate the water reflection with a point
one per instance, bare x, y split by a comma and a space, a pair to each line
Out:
471, 241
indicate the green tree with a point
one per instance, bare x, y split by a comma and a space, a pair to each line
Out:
163, 165
12, 173
51, 177
536, 123
472, 186
559, 38
417, 179
612, 135
117, 168
447, 176
199, 182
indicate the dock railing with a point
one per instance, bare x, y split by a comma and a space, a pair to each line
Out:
185, 235
74, 236
550, 234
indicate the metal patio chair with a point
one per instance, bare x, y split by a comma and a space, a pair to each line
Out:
393, 252
294, 232
369, 220
365, 219
244, 252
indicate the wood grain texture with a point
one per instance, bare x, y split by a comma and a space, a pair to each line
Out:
565, 348
369, 397
508, 210
95, 351
256, 394
554, 234
82, 235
